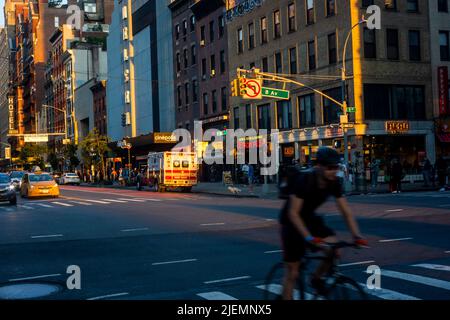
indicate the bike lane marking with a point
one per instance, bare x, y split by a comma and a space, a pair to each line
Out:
109, 296
35, 277
441, 284
173, 262
227, 280
395, 240
387, 294
433, 266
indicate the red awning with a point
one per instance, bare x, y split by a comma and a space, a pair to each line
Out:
444, 137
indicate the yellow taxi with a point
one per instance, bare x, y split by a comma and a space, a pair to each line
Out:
38, 184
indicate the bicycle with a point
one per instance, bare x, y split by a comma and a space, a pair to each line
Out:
338, 286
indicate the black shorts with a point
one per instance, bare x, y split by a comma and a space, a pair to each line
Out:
294, 246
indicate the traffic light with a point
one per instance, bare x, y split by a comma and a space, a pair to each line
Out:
124, 120
235, 88
242, 86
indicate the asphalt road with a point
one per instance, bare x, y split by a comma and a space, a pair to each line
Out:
144, 245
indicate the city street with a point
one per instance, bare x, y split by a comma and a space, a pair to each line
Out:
145, 245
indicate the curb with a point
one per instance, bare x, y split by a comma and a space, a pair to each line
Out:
229, 195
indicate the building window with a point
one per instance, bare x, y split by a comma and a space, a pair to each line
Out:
179, 97
193, 55
412, 6
291, 17
223, 98
177, 32
213, 65
211, 31
293, 60
264, 37
251, 36
278, 63
276, 24
392, 44
178, 62
186, 58
203, 69
332, 52
312, 55
186, 93
443, 5
236, 117
192, 23
265, 64
394, 102
284, 114
331, 8
185, 27
310, 11
214, 101
221, 26
370, 47
240, 41
195, 90
202, 36
264, 121
307, 110
367, 3
331, 110
390, 4
414, 45
222, 62
248, 116
444, 44
205, 103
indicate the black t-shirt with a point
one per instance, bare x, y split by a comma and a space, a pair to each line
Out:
306, 187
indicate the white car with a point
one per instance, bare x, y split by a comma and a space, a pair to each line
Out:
70, 178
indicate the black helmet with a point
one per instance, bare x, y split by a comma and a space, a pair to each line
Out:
328, 157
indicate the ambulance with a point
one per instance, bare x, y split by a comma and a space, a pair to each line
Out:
172, 170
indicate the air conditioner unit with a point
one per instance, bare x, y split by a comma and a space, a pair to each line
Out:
213, 73
124, 12
202, 43
127, 97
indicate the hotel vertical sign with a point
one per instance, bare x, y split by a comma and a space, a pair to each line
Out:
443, 91
11, 116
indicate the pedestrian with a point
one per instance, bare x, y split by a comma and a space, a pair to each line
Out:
250, 174
374, 171
397, 176
441, 168
426, 172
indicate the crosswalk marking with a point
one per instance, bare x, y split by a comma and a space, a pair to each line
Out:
216, 295
133, 200
82, 203
44, 205
63, 204
26, 207
7, 209
278, 289
98, 201
155, 200
387, 294
433, 266
417, 279
111, 200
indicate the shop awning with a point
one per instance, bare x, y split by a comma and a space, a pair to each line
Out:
444, 137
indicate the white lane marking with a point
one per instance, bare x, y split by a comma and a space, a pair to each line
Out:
417, 279
278, 289
447, 251
387, 294
432, 266
44, 205
356, 263
274, 251
63, 204
36, 277
110, 296
118, 201
97, 201
82, 203
154, 200
395, 210
173, 262
47, 236
270, 219
212, 224
136, 229
133, 200
172, 199
215, 295
394, 240
227, 280
26, 207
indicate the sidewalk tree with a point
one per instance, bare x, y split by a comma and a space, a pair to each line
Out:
70, 153
32, 155
94, 148
53, 160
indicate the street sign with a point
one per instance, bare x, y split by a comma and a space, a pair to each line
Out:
7, 153
351, 109
250, 89
275, 93
35, 137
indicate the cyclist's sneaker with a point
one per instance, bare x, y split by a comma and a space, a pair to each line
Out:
319, 286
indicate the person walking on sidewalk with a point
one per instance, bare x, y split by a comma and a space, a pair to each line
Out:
426, 172
397, 176
251, 177
374, 170
441, 168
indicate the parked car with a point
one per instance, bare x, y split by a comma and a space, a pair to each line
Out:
7, 189
70, 178
16, 179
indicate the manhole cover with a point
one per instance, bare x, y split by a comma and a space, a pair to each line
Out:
27, 290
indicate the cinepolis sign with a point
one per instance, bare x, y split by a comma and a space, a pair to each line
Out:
241, 9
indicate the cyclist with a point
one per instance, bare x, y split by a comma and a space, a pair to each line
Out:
302, 228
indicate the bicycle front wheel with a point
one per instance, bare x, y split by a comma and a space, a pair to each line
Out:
346, 288
273, 286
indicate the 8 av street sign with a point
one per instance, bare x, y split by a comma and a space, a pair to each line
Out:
275, 93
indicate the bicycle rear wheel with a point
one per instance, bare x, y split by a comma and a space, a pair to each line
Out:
346, 288
273, 286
